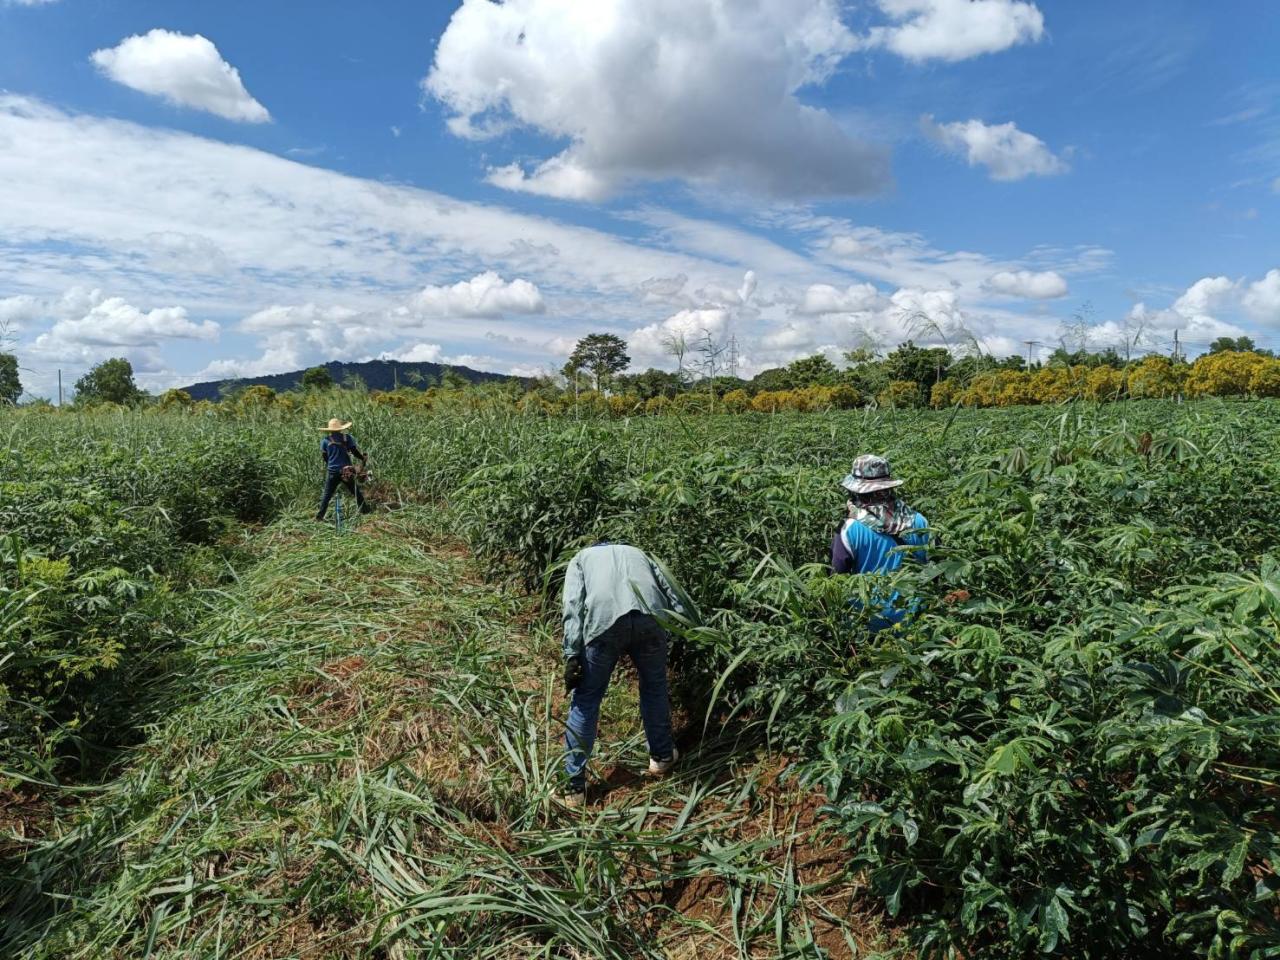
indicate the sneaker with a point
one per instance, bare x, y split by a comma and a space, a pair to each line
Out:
658, 767
573, 799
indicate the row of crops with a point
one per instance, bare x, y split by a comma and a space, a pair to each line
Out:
1075, 750
107, 531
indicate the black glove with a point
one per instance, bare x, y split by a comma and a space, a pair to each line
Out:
573, 672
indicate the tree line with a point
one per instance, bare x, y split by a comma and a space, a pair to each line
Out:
907, 376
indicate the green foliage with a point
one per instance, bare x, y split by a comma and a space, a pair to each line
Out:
814, 371
1238, 345
92, 571
10, 384
651, 383
111, 381
317, 378
1069, 751
602, 355
924, 366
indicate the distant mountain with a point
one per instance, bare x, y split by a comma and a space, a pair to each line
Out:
376, 374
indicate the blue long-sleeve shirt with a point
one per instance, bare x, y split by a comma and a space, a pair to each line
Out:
606, 581
856, 548
337, 453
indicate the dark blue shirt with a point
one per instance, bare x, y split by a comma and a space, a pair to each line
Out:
337, 453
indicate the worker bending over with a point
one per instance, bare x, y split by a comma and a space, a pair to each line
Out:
611, 593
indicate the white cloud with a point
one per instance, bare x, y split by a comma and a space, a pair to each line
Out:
1046, 285
185, 70
1204, 296
692, 90
1007, 152
820, 298
309, 265
954, 30
908, 260
82, 327
83, 318
307, 316
1262, 299
1275, 185
484, 295
647, 345
1193, 315
417, 353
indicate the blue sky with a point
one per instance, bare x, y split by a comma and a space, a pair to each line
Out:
220, 189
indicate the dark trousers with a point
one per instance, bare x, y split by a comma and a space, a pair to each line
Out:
331, 482
640, 637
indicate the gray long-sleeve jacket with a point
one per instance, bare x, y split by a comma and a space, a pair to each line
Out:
603, 583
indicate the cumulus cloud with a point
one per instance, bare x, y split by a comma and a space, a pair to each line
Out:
304, 316
820, 298
1028, 284
83, 318
691, 90
648, 345
1262, 299
926, 316
1204, 296
293, 336
1007, 152
484, 295
416, 353
1193, 315
282, 242
185, 70
83, 326
954, 30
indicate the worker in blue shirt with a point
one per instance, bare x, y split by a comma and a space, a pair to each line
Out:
337, 449
878, 525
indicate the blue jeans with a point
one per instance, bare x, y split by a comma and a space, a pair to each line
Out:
639, 636
331, 482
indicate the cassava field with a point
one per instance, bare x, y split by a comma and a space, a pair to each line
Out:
229, 731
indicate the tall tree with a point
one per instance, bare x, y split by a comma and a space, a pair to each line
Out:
814, 371
317, 378
651, 383
922, 365
111, 381
10, 385
1238, 344
603, 354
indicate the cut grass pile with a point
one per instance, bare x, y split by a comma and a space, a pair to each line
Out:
361, 762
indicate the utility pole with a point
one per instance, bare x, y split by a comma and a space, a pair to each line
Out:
59, 386
1030, 344
1175, 345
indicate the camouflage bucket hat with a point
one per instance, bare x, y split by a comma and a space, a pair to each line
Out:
869, 474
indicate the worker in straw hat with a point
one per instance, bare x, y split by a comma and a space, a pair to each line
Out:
336, 449
879, 523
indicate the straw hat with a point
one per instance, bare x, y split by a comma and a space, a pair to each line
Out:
336, 426
869, 474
